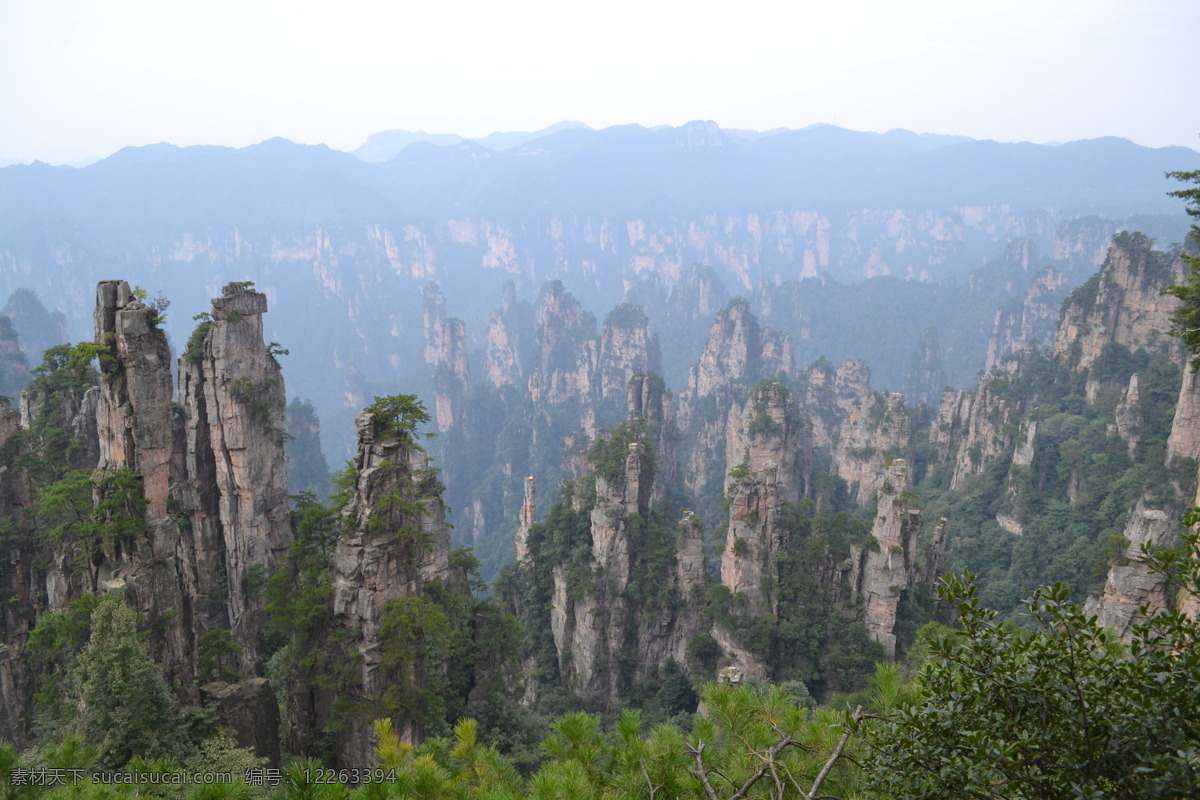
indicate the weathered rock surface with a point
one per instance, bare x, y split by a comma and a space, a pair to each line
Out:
528, 519
135, 430
250, 708
397, 542
737, 348
874, 427
924, 380
506, 342
1032, 317
567, 349
1127, 418
626, 349
1132, 585
879, 573
211, 470
14, 368
231, 473
1184, 441
647, 398
451, 377
1124, 304
766, 441
597, 627
984, 419
446, 352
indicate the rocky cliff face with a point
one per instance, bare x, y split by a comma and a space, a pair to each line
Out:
450, 376
880, 572
923, 380
1131, 585
1184, 441
14, 369
874, 427
1127, 417
17, 581
637, 601
231, 468
1123, 304
446, 352
647, 398
767, 442
738, 348
984, 419
528, 519
507, 341
737, 353
1033, 317
567, 354
397, 542
135, 430
626, 349
210, 469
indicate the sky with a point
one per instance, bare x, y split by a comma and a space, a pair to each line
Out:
80, 79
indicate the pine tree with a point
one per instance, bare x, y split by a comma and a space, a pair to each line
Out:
125, 707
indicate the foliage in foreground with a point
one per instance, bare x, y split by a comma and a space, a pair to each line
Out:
1060, 711
1056, 710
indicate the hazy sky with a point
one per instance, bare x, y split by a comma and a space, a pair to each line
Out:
83, 78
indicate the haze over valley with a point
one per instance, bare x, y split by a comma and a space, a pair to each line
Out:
837, 438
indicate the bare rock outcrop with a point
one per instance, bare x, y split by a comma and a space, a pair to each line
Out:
446, 353
874, 427
528, 519
737, 348
231, 469
1030, 318
1122, 304
135, 430
506, 342
766, 441
923, 379
18, 583
1184, 440
880, 572
1132, 585
625, 606
647, 398
985, 420
397, 542
231, 479
14, 369
627, 348
567, 349
1127, 417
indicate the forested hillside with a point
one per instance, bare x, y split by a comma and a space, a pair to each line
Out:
766, 578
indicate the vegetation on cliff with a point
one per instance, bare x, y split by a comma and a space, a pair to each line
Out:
610, 662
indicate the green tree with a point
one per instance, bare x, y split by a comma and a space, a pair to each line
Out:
1059, 711
399, 414
97, 517
1186, 322
125, 707
416, 637
216, 656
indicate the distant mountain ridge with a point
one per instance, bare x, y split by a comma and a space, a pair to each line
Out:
782, 217
386, 145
